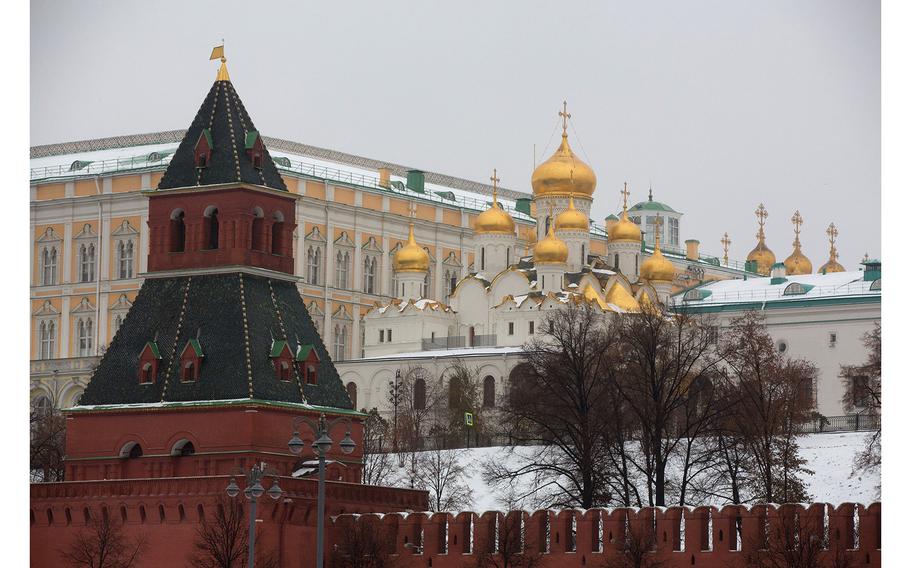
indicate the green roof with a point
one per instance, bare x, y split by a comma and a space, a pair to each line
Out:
612, 217
251, 137
194, 343
652, 206
277, 347
208, 136
154, 347
303, 352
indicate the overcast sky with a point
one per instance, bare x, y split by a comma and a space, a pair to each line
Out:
719, 105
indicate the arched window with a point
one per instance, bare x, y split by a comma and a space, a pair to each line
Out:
116, 323
183, 447
369, 274
211, 229
85, 337
189, 371
616, 261
420, 394
131, 450
147, 375
278, 233
483, 258
352, 393
583, 254
314, 265
489, 392
284, 370
47, 337
125, 259
87, 262
258, 236
340, 341
452, 279
42, 406
49, 266
342, 263
508, 256
178, 231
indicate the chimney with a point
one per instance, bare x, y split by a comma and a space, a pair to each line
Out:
692, 249
415, 180
778, 273
385, 178
873, 269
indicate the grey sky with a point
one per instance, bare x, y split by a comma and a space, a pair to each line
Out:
719, 104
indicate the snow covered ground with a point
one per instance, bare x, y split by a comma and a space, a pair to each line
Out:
829, 455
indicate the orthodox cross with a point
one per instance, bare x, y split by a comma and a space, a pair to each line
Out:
832, 234
797, 220
564, 113
658, 221
495, 181
625, 195
725, 241
762, 214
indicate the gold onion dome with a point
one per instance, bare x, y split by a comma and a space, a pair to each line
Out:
572, 219
797, 263
621, 298
551, 250
832, 265
563, 172
494, 220
410, 257
763, 256
624, 229
657, 268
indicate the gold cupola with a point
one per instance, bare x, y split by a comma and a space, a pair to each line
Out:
572, 219
797, 263
411, 257
624, 230
551, 249
832, 265
763, 256
494, 220
621, 298
563, 173
657, 268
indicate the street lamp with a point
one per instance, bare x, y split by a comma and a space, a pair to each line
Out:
253, 492
321, 446
395, 387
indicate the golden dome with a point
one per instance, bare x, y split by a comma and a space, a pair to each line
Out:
620, 297
591, 295
411, 257
564, 172
572, 219
761, 254
797, 263
494, 220
832, 265
624, 230
657, 268
551, 250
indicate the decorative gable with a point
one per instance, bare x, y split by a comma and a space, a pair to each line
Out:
202, 153
308, 363
190, 361
148, 363
254, 148
282, 359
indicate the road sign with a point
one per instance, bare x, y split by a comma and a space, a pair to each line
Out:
469, 419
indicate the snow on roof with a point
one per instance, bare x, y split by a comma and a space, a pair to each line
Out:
462, 352
815, 286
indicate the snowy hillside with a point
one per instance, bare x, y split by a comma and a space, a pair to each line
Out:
830, 456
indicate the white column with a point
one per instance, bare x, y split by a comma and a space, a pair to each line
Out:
67, 253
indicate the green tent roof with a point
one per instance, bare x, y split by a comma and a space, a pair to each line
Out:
303, 351
652, 206
277, 347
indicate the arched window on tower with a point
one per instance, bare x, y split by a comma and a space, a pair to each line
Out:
178, 231
210, 228
278, 233
258, 230
352, 393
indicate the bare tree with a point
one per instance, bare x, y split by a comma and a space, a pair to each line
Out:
559, 398
420, 406
362, 545
442, 474
103, 544
863, 394
223, 541
635, 549
666, 378
795, 543
770, 398
47, 429
378, 465
511, 552
463, 396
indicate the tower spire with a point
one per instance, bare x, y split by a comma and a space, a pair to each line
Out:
218, 53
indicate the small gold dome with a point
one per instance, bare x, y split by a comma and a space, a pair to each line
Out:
494, 221
763, 256
657, 268
563, 174
623, 230
831, 267
572, 219
551, 250
411, 257
620, 297
797, 263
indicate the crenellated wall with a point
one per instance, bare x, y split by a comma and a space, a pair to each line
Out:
674, 537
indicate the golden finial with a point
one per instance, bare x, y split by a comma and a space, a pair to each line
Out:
218, 53
797, 221
762, 214
725, 241
658, 221
866, 257
564, 113
832, 235
625, 197
495, 181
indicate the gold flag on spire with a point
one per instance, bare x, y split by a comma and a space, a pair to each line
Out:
217, 52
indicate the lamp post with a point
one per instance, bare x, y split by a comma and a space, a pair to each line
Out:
321, 445
395, 388
253, 492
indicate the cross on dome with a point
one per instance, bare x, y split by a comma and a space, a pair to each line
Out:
797, 221
625, 196
564, 113
725, 241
